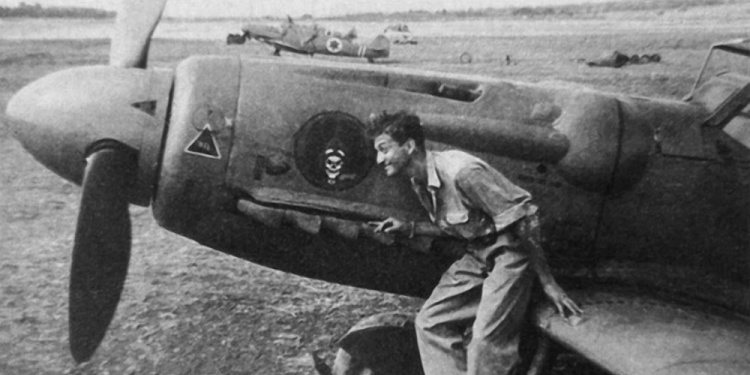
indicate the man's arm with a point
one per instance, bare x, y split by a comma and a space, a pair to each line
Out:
408, 228
493, 194
505, 203
529, 229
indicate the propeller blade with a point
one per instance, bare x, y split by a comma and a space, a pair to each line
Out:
136, 21
101, 251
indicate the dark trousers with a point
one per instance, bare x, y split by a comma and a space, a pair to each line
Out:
489, 288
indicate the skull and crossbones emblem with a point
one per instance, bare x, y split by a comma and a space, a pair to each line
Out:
334, 163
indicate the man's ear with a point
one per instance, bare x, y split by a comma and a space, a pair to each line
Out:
411, 146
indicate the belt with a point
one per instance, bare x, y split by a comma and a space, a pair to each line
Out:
493, 237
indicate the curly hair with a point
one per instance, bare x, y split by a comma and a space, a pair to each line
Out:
401, 126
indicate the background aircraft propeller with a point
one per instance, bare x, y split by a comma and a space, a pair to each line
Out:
101, 252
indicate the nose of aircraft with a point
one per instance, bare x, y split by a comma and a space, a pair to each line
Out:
100, 127
60, 118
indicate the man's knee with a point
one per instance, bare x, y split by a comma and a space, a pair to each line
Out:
423, 322
431, 321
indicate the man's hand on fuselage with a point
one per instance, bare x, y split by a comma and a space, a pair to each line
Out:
392, 225
561, 300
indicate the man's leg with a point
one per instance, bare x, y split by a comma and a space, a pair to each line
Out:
441, 323
501, 313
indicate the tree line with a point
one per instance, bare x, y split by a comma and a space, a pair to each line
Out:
25, 10
569, 10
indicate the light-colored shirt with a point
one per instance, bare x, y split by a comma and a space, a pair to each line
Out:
467, 198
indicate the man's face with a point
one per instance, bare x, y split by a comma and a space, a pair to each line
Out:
391, 156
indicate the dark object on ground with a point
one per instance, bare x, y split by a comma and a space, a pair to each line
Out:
235, 39
465, 58
613, 60
382, 344
617, 59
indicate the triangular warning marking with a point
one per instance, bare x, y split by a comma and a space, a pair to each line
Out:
204, 144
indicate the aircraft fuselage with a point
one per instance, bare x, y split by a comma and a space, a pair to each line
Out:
640, 185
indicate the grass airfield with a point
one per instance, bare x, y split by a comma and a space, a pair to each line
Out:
187, 309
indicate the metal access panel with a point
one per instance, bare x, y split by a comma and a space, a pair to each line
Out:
191, 185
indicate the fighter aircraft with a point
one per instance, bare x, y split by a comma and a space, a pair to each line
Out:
645, 201
309, 40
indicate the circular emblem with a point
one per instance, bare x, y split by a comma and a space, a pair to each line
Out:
332, 151
334, 45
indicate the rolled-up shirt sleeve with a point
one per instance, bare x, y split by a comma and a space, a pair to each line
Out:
495, 195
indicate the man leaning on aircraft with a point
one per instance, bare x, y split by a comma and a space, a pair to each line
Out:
491, 284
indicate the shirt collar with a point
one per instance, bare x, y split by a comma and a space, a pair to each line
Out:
433, 182
432, 177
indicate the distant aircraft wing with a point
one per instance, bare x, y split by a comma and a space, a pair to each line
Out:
262, 31
273, 40
628, 333
280, 44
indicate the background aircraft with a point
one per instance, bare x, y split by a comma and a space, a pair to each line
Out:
309, 40
646, 199
399, 33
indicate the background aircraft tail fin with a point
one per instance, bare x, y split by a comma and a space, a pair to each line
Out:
352, 34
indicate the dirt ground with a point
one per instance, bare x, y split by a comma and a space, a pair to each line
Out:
189, 310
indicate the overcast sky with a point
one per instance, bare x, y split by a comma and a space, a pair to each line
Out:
318, 8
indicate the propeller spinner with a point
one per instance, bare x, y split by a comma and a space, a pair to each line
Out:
100, 127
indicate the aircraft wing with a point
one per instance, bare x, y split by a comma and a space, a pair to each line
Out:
280, 44
262, 31
628, 333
